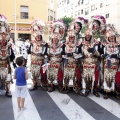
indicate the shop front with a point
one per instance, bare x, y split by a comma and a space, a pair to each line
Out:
22, 31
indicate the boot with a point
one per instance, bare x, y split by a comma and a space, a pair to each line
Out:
106, 96
80, 93
67, 89
8, 94
96, 94
34, 88
45, 88
86, 93
61, 87
51, 88
118, 97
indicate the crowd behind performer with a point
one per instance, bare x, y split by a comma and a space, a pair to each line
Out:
23, 50
57, 30
38, 55
28, 45
12, 52
5, 69
21, 75
111, 63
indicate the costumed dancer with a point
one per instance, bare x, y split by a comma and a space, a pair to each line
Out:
111, 62
89, 62
77, 32
72, 71
5, 69
98, 33
92, 49
38, 55
57, 30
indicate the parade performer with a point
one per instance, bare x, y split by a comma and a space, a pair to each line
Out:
5, 69
69, 65
38, 55
111, 62
92, 50
72, 71
89, 63
57, 30
117, 77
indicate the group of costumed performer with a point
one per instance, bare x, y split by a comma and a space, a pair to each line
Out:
111, 63
72, 56
38, 55
101, 58
5, 69
88, 60
55, 51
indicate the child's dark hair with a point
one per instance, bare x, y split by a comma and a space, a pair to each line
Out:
19, 61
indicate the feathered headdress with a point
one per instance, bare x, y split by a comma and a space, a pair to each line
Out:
57, 29
37, 28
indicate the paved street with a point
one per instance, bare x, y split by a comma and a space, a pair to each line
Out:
42, 105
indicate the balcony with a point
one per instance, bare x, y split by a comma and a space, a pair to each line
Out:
25, 17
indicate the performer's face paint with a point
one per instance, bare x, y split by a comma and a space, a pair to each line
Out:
3, 36
71, 39
95, 26
87, 35
77, 27
112, 38
55, 40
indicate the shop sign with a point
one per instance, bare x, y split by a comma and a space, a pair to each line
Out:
21, 28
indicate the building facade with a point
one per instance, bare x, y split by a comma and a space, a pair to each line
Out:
88, 8
20, 14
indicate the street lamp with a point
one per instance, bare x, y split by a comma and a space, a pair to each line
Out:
15, 19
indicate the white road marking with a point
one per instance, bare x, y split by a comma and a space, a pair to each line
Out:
30, 113
69, 107
110, 105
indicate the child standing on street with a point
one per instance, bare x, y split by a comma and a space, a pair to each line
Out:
21, 75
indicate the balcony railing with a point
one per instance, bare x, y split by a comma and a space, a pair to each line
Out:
25, 17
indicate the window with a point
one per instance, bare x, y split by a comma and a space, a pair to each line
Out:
78, 2
24, 12
101, 5
107, 15
48, 18
92, 7
82, 1
79, 12
71, 6
82, 11
51, 18
51, 13
71, 14
68, 1
96, 6
86, 11
76, 13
